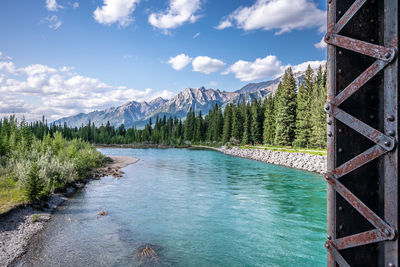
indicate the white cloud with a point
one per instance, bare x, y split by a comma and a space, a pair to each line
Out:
178, 12
58, 92
280, 15
261, 68
116, 11
3, 57
321, 45
52, 5
75, 5
207, 65
53, 22
196, 35
303, 66
267, 67
179, 62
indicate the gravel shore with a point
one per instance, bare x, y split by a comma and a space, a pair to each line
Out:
18, 226
302, 161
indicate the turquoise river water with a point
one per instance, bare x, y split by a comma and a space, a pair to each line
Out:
195, 208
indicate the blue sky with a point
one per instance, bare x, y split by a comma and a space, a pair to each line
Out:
61, 57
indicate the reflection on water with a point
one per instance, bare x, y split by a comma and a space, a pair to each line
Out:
194, 208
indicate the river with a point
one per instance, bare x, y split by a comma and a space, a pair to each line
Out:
195, 208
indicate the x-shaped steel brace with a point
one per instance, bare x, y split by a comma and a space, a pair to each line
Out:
384, 56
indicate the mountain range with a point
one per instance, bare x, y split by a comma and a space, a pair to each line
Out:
200, 99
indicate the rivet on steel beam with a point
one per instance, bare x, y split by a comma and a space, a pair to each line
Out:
387, 143
388, 55
372, 21
327, 245
390, 264
340, 130
340, 150
387, 232
371, 117
340, 52
326, 106
340, 226
390, 118
329, 1
339, 12
340, 208
340, 70
372, 97
392, 133
327, 36
329, 122
330, 134
329, 237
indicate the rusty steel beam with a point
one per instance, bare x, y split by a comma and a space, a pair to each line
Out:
362, 132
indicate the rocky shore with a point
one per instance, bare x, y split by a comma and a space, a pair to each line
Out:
19, 225
302, 161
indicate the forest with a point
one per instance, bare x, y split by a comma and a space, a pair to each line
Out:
292, 117
35, 163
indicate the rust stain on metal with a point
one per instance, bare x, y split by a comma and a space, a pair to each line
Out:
359, 239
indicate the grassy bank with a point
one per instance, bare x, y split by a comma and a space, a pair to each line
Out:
32, 168
320, 152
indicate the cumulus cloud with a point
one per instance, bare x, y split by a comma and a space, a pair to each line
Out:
75, 5
266, 67
261, 68
178, 12
52, 5
321, 45
53, 22
207, 65
280, 15
303, 66
179, 62
196, 35
59, 92
116, 11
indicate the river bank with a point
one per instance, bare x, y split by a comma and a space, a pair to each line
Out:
301, 161
19, 225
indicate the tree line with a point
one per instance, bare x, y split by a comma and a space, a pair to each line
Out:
294, 116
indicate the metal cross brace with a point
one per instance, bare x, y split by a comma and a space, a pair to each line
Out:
384, 55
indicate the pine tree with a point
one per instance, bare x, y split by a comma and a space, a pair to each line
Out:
286, 110
199, 128
269, 121
237, 122
247, 124
303, 119
256, 122
318, 116
34, 186
226, 133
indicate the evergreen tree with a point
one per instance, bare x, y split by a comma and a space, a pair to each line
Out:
318, 116
285, 115
237, 123
199, 128
304, 111
226, 133
247, 124
34, 186
257, 117
269, 121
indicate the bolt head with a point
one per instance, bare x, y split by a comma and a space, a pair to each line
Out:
326, 106
340, 208
329, 122
330, 134
390, 118
340, 150
327, 245
390, 264
387, 143
392, 133
388, 55
329, 237
387, 232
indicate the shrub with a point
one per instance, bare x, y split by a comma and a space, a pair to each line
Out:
33, 187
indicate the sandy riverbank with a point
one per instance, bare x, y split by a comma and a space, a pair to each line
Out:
18, 226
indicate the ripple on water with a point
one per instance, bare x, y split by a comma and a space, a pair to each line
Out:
193, 208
